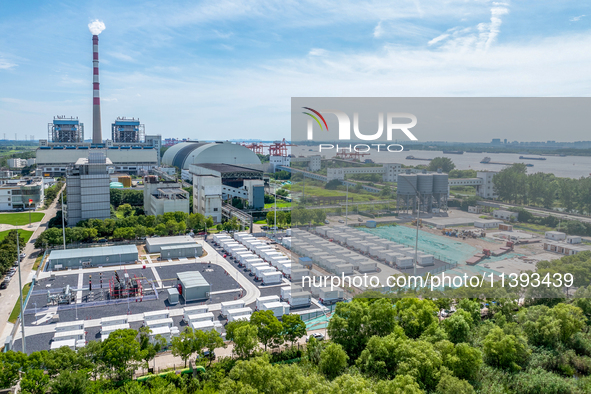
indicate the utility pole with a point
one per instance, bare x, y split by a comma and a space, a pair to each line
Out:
63, 220
20, 286
347, 204
275, 198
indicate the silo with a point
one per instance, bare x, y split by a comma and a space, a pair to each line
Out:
407, 185
440, 183
425, 183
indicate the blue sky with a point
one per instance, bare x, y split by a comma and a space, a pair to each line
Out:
227, 69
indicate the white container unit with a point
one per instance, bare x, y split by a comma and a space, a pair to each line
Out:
239, 312
367, 266
278, 308
264, 300
239, 318
114, 321
207, 316
330, 295
73, 334
426, 259
163, 331
71, 343
300, 299
250, 262
243, 257
69, 326
344, 269
297, 275
404, 262
204, 326
253, 267
271, 278
258, 271
286, 268
229, 305
156, 315
393, 257
167, 322
195, 310
285, 292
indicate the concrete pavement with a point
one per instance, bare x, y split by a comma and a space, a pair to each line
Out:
11, 293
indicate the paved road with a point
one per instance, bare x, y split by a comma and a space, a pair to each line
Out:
10, 295
540, 211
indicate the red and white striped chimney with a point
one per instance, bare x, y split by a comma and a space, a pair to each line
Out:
97, 137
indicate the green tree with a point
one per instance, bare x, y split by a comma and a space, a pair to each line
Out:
34, 381
211, 341
183, 346
70, 382
120, 354
245, 338
452, 385
505, 351
125, 210
269, 329
10, 365
333, 360
149, 350
415, 315
444, 163
458, 326
293, 327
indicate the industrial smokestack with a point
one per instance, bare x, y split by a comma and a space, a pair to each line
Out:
96, 27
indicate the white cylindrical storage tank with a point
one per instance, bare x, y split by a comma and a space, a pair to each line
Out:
440, 183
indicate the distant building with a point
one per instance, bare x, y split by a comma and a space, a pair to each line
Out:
16, 193
87, 183
496, 141
555, 235
505, 215
487, 188
164, 196
17, 163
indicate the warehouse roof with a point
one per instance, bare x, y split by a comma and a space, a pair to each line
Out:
192, 279
92, 252
175, 247
181, 239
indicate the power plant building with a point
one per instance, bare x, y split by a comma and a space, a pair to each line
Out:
16, 193
87, 185
129, 150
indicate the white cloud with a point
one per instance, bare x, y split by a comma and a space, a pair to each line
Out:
317, 52
481, 37
6, 65
378, 31
577, 18
122, 56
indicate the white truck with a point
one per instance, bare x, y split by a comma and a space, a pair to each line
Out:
300, 299
228, 305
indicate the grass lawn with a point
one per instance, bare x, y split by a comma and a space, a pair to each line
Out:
260, 222
21, 218
282, 204
17, 308
533, 228
24, 233
314, 191
37, 261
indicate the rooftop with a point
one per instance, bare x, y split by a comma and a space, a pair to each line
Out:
228, 168
92, 252
192, 279
170, 240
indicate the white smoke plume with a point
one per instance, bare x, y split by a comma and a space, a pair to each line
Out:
96, 27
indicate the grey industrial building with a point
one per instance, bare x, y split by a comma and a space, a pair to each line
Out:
192, 286
164, 196
91, 257
154, 244
87, 184
180, 251
215, 183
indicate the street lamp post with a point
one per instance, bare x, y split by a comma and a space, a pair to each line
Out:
20, 286
347, 205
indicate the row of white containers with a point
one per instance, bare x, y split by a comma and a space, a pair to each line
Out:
330, 256
390, 252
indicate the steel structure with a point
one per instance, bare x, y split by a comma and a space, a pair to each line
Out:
354, 155
125, 130
256, 147
279, 148
66, 130
125, 288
